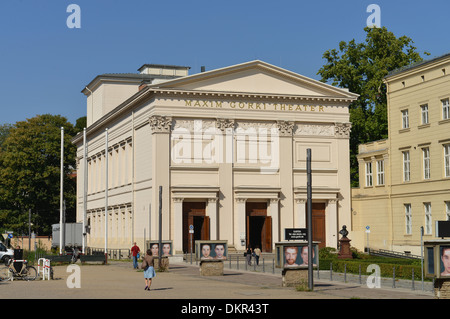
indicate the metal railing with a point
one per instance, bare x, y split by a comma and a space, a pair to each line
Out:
394, 254
111, 253
267, 265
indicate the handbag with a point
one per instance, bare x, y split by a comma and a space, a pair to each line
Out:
138, 255
144, 264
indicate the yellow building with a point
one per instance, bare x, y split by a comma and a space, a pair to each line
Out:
405, 179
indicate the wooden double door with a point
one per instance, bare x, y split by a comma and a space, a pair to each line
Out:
194, 213
258, 226
318, 223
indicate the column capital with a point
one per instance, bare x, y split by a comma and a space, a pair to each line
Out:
285, 128
240, 200
223, 124
160, 124
177, 199
342, 130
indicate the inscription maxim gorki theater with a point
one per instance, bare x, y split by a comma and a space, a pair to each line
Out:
261, 106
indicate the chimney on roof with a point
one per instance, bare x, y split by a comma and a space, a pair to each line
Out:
143, 84
202, 68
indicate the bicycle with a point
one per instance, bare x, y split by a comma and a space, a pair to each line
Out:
10, 272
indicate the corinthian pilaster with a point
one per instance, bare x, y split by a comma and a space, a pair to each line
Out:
160, 124
223, 124
342, 130
285, 128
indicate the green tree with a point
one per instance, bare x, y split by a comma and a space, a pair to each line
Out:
361, 67
81, 123
30, 174
4, 132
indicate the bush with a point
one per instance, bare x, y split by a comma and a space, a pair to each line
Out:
403, 267
402, 271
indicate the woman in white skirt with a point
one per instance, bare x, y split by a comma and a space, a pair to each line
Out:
149, 270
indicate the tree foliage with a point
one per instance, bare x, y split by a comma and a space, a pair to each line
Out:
361, 67
30, 160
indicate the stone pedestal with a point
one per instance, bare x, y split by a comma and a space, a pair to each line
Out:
292, 277
211, 268
442, 288
344, 251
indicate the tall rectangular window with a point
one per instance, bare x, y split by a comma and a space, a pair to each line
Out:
405, 119
447, 160
447, 210
369, 181
380, 172
428, 222
426, 162
408, 219
406, 166
424, 112
445, 109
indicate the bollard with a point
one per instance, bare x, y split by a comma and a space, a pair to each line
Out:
264, 268
237, 263
412, 282
393, 277
331, 271
345, 272
360, 274
273, 266
230, 262
254, 265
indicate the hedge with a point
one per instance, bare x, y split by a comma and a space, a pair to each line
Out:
402, 271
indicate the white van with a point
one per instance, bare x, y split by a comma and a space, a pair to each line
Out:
5, 254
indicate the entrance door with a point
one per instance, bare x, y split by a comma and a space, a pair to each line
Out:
318, 223
194, 214
259, 226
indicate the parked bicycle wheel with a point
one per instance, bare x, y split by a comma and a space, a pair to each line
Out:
29, 273
5, 274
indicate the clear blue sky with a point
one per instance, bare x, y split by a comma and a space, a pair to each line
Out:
44, 64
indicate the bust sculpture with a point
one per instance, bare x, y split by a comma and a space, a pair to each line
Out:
344, 231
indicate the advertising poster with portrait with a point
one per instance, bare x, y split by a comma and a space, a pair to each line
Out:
153, 245
291, 255
444, 253
211, 249
437, 259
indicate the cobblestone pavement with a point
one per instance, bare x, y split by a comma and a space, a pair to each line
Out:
118, 280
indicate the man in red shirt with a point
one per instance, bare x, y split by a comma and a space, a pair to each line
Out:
134, 252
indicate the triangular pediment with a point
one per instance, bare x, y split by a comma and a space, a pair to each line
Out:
256, 77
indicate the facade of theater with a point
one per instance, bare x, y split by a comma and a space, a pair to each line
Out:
227, 147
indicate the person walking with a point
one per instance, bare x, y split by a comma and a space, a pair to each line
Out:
257, 253
134, 252
149, 269
248, 255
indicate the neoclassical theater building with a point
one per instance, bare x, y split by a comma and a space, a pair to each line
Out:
227, 147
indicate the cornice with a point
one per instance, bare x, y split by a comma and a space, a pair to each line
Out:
147, 92
249, 95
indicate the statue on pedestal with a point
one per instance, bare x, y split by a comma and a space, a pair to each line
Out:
344, 244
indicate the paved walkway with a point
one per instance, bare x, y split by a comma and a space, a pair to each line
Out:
118, 280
